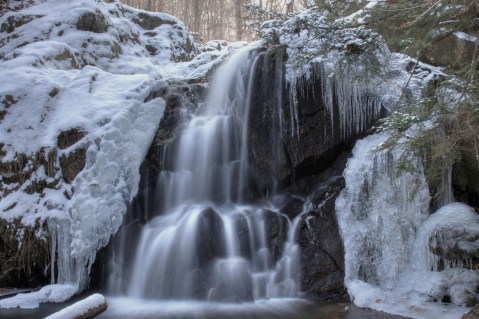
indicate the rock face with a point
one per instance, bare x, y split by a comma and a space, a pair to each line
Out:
302, 154
23, 263
451, 51
472, 314
322, 256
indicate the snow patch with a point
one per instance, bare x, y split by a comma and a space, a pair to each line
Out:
51, 293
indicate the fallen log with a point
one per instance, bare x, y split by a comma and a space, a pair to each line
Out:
87, 308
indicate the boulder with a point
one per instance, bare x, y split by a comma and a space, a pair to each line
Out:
93, 21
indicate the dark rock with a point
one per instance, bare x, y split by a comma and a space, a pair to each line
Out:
242, 229
23, 255
19, 171
69, 137
15, 21
210, 238
322, 252
299, 150
150, 21
465, 179
473, 313
450, 51
93, 21
72, 163
276, 233
293, 206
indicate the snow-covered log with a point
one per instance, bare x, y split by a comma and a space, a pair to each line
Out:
85, 309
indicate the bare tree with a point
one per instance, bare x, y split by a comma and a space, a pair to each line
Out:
216, 19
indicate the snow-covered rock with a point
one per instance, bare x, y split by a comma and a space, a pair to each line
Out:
76, 120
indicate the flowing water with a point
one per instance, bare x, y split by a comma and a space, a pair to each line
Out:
205, 243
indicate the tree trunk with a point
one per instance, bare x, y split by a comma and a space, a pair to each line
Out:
196, 16
239, 20
290, 6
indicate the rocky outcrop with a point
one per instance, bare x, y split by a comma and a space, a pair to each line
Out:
322, 252
302, 144
453, 50
93, 21
24, 251
472, 314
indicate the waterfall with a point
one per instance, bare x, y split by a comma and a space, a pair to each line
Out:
205, 242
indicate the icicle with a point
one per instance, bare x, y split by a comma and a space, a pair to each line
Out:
53, 233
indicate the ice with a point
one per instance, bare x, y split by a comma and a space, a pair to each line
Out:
391, 242
453, 225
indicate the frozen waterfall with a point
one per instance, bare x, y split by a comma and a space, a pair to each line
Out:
388, 236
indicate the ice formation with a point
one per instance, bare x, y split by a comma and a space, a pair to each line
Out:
390, 238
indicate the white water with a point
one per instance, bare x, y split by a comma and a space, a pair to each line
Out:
205, 244
388, 234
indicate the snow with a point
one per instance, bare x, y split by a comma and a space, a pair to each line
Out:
56, 78
80, 308
465, 36
52, 293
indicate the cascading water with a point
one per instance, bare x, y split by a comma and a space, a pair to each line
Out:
205, 243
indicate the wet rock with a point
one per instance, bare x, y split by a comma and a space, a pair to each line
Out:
465, 178
322, 251
293, 206
276, 233
242, 230
210, 238
301, 145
